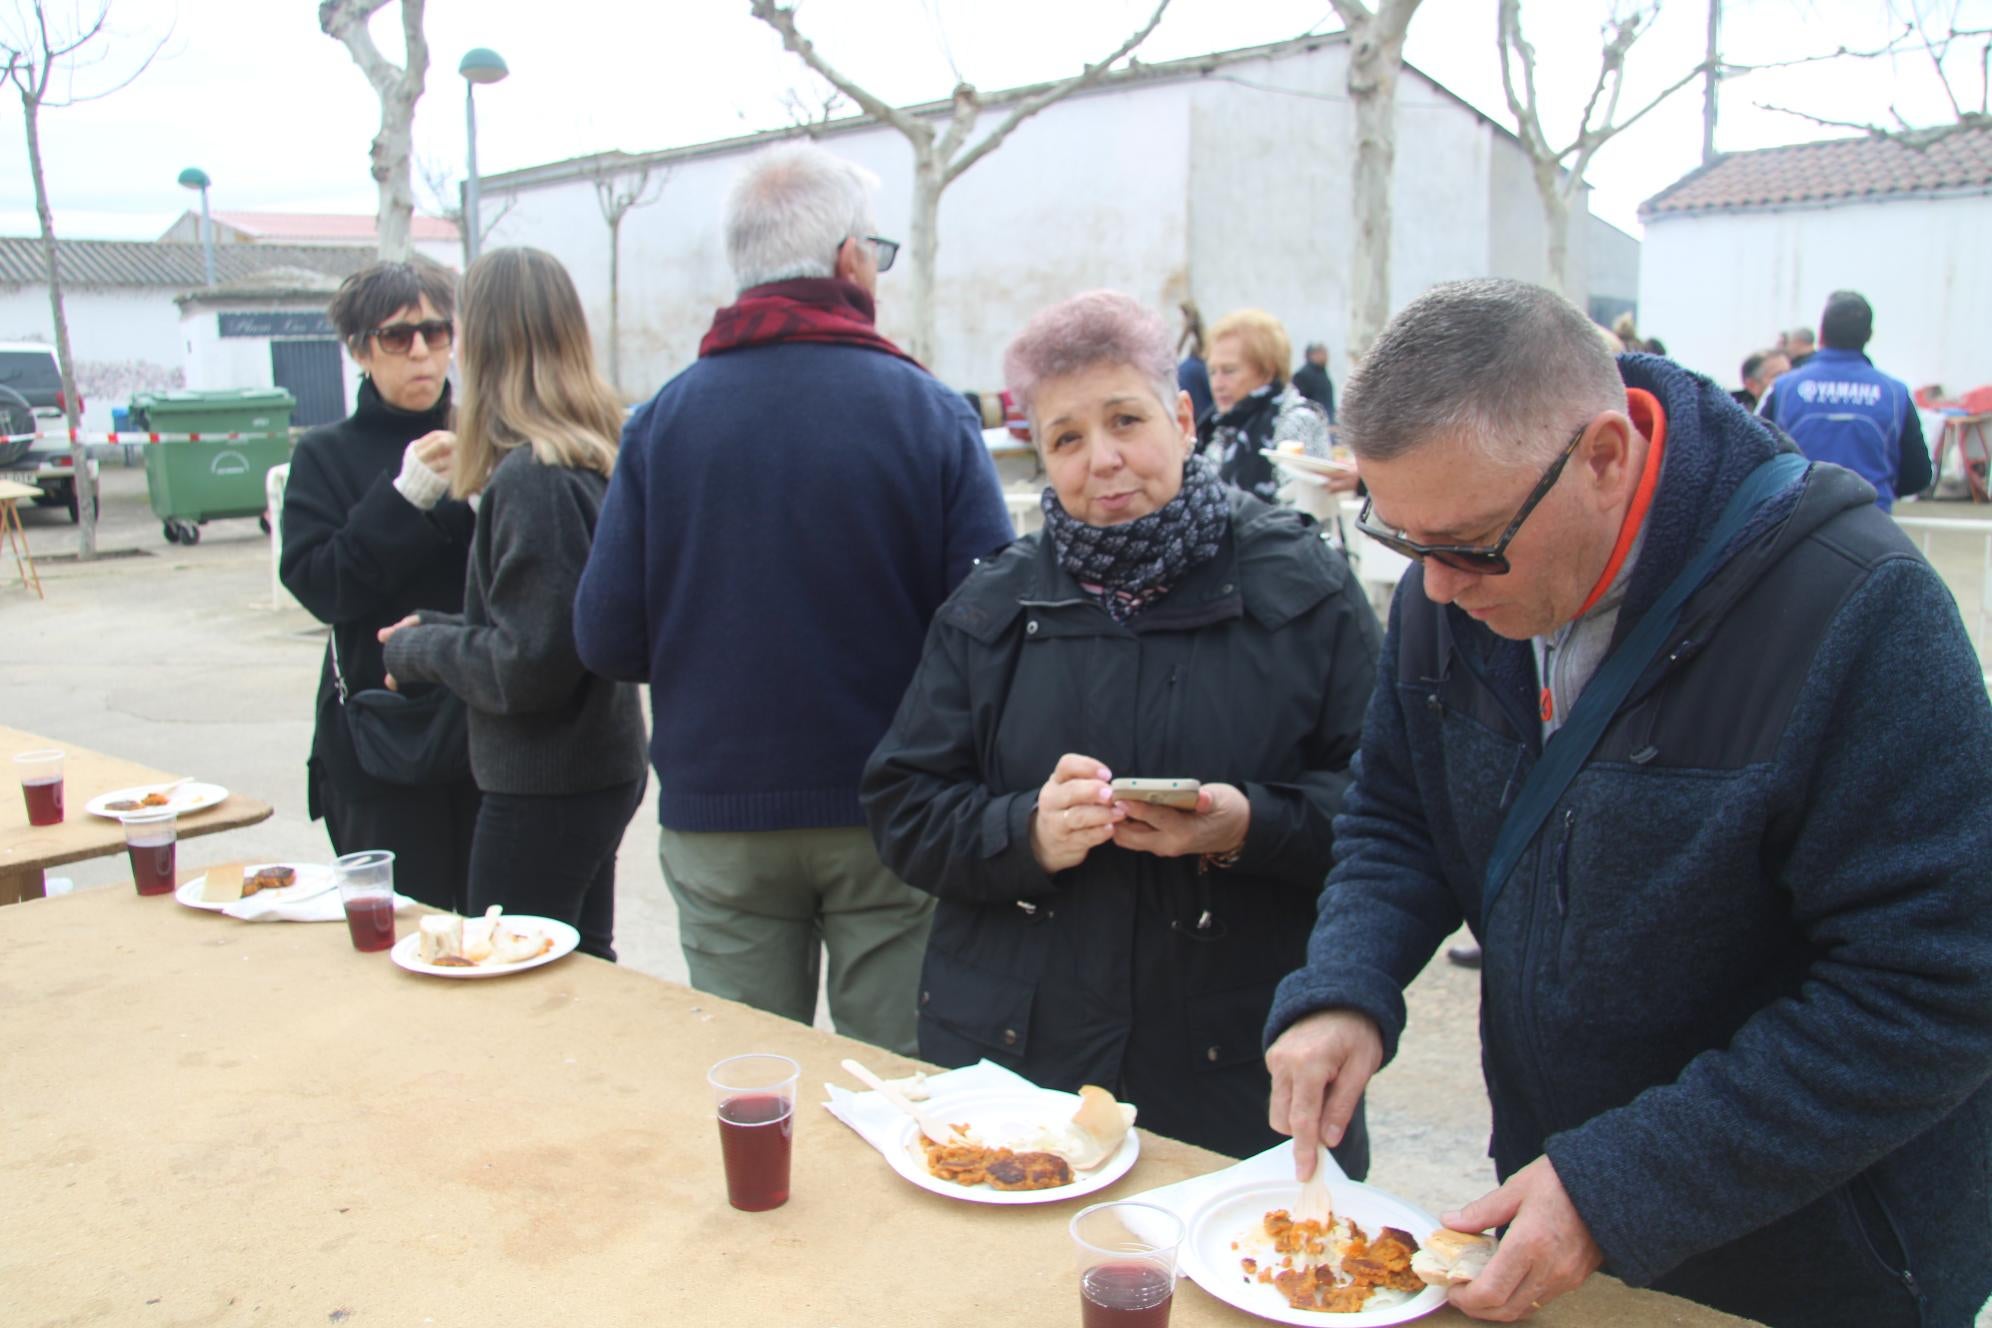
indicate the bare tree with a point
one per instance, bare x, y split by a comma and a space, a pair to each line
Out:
810, 110
1376, 54
1936, 47
444, 194
35, 50
1559, 172
399, 88
941, 150
619, 191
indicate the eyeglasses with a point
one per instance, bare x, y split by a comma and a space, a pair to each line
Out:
399, 338
887, 250
1475, 559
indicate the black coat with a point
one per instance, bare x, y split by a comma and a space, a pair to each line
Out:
1132, 971
360, 557
1314, 384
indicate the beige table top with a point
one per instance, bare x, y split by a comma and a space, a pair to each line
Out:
86, 775
12, 491
219, 1122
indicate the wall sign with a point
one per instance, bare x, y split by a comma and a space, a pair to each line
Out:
276, 324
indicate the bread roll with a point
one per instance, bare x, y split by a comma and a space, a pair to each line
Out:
1451, 1257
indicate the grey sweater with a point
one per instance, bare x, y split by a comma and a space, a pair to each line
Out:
540, 723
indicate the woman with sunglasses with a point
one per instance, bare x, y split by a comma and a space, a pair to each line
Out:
1162, 625
371, 536
559, 753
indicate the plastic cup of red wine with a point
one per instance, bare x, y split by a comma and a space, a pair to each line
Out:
753, 1097
151, 841
1127, 1264
366, 889
41, 785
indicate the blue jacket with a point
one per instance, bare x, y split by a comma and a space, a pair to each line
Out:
1838, 407
1739, 989
783, 522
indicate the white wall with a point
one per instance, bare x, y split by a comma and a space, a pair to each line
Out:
1230, 189
124, 341
1716, 287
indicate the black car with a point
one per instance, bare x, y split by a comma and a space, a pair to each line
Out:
31, 398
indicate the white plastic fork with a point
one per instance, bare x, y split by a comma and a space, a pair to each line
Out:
1316, 1205
939, 1131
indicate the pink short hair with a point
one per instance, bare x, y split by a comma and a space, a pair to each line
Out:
1099, 327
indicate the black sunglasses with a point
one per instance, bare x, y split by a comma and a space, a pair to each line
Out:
399, 338
887, 250
1477, 559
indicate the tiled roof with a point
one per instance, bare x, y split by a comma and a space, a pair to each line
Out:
96, 264
355, 227
1838, 171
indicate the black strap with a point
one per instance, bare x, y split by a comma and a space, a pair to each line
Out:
1572, 744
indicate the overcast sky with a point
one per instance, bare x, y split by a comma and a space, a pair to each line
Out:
281, 118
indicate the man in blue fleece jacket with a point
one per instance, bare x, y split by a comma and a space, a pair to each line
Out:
1736, 1001
785, 517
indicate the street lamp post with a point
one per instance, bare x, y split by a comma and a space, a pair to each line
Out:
479, 65
196, 178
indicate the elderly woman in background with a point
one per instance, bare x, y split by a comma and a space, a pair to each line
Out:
1254, 405
1160, 625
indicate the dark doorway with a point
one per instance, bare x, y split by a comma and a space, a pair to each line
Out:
309, 371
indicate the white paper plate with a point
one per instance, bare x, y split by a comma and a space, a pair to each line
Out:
312, 879
565, 938
1312, 465
1209, 1259
1001, 1119
184, 799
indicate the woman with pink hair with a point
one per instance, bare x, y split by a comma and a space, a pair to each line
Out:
1161, 625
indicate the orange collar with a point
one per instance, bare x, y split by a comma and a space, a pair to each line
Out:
1647, 416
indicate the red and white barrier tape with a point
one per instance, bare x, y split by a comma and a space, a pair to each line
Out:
127, 437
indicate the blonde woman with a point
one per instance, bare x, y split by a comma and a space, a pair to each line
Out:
558, 752
1255, 406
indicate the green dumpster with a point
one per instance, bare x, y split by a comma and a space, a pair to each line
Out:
212, 475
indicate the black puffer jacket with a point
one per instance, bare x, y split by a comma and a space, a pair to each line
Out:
1131, 971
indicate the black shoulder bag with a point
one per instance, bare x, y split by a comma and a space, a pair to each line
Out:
410, 740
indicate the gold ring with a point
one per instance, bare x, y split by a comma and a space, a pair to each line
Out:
1535, 1304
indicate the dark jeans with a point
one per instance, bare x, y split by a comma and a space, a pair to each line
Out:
427, 829
554, 857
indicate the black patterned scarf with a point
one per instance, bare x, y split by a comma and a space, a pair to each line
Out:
1131, 565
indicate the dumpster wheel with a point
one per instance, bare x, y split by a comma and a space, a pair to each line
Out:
182, 532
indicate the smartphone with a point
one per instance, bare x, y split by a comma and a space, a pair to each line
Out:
1164, 792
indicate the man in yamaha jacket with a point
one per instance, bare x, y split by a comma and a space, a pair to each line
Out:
1838, 407
1736, 1003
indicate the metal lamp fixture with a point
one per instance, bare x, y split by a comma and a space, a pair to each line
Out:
480, 64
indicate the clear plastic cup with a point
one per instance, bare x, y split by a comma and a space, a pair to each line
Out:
41, 785
152, 842
1127, 1264
753, 1097
366, 890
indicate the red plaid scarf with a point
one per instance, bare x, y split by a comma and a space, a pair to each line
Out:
827, 309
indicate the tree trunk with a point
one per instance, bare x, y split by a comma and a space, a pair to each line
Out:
1711, 80
923, 243
393, 148
1555, 224
1372, 84
79, 455
615, 301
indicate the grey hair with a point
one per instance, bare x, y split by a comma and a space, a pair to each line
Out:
1509, 367
790, 210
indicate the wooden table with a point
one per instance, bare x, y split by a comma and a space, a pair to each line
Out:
27, 850
219, 1122
11, 493
1974, 451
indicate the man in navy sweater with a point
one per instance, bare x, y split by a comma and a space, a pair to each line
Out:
785, 517
1731, 878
